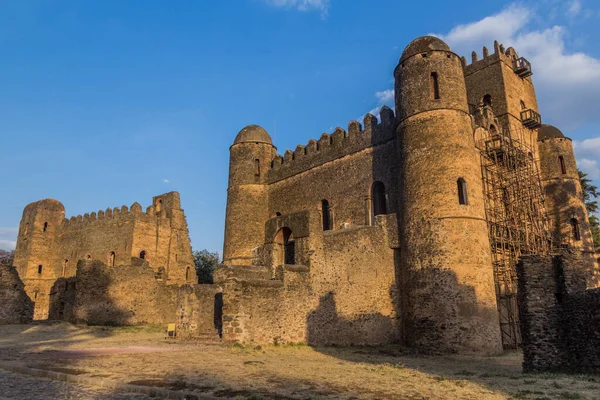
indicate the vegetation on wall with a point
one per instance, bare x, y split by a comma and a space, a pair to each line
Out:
590, 193
206, 262
6, 257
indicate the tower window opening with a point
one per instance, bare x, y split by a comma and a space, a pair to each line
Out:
143, 254
563, 167
257, 167
40, 269
435, 87
111, 259
523, 106
187, 274
379, 198
487, 100
575, 229
45, 226
463, 198
326, 213
278, 214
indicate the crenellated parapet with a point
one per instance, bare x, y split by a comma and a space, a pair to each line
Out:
508, 56
332, 146
112, 215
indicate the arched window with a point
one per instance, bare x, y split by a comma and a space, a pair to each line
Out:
143, 254
326, 215
257, 167
487, 100
379, 198
575, 229
285, 239
40, 269
111, 259
523, 106
563, 167
45, 226
435, 87
462, 191
88, 257
187, 274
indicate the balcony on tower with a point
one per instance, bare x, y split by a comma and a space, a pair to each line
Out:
531, 119
522, 67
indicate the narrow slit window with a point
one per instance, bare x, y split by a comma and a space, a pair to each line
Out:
435, 86
563, 167
462, 192
575, 229
40, 269
326, 215
257, 167
45, 226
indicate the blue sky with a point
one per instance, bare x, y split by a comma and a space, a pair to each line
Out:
104, 103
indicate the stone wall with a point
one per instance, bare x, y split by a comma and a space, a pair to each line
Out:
560, 320
132, 295
342, 290
15, 305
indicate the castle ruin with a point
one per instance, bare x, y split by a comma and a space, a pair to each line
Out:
50, 245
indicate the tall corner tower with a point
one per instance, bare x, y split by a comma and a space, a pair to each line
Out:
34, 257
247, 194
446, 256
567, 213
502, 80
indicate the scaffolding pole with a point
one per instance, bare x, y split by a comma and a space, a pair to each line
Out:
516, 215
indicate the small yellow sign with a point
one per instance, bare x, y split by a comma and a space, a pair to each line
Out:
171, 330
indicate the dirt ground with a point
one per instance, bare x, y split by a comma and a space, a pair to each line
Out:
143, 356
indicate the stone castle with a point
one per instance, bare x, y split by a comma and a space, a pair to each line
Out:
405, 228
50, 245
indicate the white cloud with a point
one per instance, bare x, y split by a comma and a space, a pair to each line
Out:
301, 5
8, 236
590, 167
384, 98
7, 244
588, 148
567, 83
165, 180
574, 8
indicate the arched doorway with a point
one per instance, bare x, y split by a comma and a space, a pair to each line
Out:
286, 248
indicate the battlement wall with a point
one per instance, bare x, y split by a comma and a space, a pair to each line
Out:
500, 54
116, 214
334, 146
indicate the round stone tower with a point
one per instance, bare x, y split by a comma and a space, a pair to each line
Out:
37, 232
34, 256
247, 195
564, 198
447, 271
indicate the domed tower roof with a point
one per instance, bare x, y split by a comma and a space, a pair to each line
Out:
423, 44
49, 204
549, 132
253, 134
